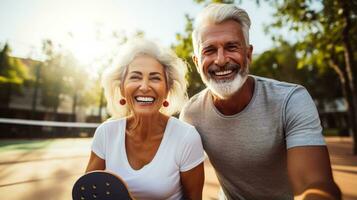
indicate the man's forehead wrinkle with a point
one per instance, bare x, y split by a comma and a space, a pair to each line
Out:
220, 40
218, 35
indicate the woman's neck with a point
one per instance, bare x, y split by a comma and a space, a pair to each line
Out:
144, 127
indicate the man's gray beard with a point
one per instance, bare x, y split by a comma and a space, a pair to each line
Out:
226, 88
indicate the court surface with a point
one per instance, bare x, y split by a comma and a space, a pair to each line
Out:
47, 169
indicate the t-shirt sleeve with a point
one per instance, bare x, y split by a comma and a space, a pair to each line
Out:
302, 122
98, 143
183, 115
192, 151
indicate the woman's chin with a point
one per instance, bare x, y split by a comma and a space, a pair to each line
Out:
146, 112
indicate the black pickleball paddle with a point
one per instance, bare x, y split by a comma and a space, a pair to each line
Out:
100, 185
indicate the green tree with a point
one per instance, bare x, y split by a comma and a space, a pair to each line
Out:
205, 2
52, 78
184, 50
13, 73
327, 38
61, 77
75, 79
281, 63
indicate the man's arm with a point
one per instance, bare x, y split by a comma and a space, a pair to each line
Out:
310, 173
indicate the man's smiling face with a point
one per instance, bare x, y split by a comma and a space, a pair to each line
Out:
223, 57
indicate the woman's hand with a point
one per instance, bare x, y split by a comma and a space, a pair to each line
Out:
192, 182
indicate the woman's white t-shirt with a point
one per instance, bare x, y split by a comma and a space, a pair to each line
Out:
180, 150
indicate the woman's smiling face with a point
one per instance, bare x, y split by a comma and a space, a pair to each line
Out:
144, 86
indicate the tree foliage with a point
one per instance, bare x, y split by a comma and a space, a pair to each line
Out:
12, 70
327, 37
13, 73
184, 50
281, 63
61, 77
205, 2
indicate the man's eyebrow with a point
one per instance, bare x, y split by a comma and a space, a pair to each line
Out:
235, 43
207, 46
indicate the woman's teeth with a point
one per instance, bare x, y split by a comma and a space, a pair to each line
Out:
145, 99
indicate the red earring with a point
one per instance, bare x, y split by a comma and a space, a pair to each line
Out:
122, 102
165, 103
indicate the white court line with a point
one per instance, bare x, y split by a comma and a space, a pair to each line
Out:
48, 123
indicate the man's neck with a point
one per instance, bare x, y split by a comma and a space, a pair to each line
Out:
238, 101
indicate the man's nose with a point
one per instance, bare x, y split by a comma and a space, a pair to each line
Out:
221, 58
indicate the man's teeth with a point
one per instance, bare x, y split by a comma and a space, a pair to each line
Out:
222, 73
145, 99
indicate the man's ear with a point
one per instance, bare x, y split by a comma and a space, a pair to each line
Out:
250, 53
195, 60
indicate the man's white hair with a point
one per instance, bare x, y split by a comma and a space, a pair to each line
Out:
175, 70
218, 13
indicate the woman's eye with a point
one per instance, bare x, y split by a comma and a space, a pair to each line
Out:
156, 78
134, 77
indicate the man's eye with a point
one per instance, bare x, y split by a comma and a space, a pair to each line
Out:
208, 51
232, 47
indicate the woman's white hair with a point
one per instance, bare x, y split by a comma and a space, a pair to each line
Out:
175, 71
217, 13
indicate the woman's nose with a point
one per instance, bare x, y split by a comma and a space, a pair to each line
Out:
144, 86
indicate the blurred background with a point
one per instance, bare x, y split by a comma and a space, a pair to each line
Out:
53, 53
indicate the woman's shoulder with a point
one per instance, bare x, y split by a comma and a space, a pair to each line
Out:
112, 123
187, 140
179, 124
182, 129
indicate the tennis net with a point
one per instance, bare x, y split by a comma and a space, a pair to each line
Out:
15, 128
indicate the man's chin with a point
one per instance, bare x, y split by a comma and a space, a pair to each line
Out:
226, 88
220, 92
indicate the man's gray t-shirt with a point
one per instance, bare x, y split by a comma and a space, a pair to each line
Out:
248, 150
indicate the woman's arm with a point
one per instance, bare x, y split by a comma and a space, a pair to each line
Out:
95, 163
192, 181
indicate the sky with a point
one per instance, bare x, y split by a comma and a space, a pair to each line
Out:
86, 26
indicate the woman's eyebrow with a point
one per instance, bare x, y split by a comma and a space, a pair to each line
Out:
154, 73
135, 72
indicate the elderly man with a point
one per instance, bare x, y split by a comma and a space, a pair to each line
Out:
262, 136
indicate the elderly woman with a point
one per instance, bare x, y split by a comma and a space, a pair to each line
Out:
158, 156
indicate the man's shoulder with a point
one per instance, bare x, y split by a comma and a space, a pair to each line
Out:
195, 101
275, 83
276, 87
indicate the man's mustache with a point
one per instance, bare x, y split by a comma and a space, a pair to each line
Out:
229, 66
